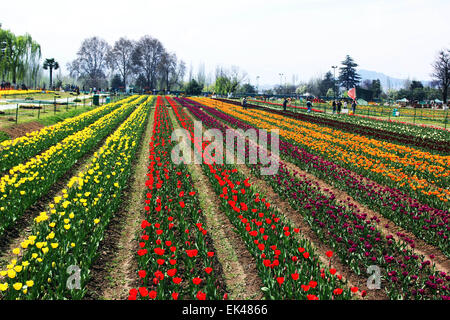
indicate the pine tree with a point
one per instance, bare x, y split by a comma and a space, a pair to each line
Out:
348, 78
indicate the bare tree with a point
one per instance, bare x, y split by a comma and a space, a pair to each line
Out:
166, 65
119, 58
176, 74
201, 75
90, 64
441, 72
147, 57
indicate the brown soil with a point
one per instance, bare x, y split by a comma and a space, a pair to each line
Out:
238, 265
18, 130
113, 273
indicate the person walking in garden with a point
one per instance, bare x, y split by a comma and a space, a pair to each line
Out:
334, 106
284, 104
339, 106
353, 106
244, 103
309, 105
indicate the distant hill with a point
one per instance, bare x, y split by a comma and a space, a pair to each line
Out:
386, 81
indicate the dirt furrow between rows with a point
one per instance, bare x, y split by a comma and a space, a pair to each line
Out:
114, 271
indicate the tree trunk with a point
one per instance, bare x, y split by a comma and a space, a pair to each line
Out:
444, 94
51, 78
167, 82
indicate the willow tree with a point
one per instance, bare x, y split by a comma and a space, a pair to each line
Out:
17, 53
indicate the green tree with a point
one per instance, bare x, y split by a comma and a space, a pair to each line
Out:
348, 77
16, 55
222, 85
418, 94
376, 88
193, 87
415, 85
117, 82
247, 88
326, 84
50, 65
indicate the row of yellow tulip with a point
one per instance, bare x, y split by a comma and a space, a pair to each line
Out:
15, 151
14, 92
26, 182
66, 236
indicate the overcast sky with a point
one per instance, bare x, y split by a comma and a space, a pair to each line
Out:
303, 37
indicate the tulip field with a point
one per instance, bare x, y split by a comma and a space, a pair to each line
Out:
356, 209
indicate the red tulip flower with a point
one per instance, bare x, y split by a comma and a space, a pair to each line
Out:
171, 272
152, 294
160, 261
142, 252
280, 280
208, 270
337, 291
143, 291
201, 295
192, 253
142, 273
177, 280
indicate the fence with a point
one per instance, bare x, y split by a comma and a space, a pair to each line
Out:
27, 110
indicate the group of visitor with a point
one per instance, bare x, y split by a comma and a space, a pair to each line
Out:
337, 106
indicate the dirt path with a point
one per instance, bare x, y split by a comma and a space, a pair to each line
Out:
239, 267
114, 271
